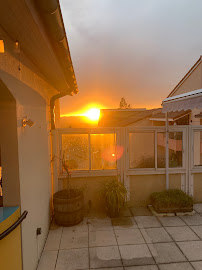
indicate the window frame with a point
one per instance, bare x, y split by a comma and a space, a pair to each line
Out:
156, 170
194, 168
88, 131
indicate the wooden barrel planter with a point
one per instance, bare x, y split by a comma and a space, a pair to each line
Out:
68, 207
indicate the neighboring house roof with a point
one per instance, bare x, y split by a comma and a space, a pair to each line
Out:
198, 62
173, 116
122, 118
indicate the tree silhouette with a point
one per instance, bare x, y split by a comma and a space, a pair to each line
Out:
123, 104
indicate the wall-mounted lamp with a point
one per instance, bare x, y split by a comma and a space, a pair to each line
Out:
27, 122
1, 46
17, 46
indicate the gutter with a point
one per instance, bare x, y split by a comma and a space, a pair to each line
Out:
52, 19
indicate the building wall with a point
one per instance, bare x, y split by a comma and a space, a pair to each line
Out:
32, 94
142, 186
197, 187
193, 82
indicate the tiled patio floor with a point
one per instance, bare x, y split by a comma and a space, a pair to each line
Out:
130, 242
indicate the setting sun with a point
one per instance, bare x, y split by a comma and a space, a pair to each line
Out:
93, 114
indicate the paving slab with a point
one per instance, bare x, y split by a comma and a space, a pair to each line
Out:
110, 268
166, 253
197, 265
191, 249
198, 208
142, 267
130, 236
72, 259
124, 223
48, 260
192, 220
140, 211
176, 266
96, 224
125, 212
136, 255
104, 257
81, 227
183, 233
147, 222
73, 239
102, 238
53, 239
171, 221
156, 235
197, 230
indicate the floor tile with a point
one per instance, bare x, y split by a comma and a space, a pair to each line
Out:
156, 235
183, 233
197, 230
72, 259
176, 266
197, 265
192, 220
136, 255
74, 240
198, 208
147, 222
171, 221
192, 250
53, 239
130, 236
125, 212
104, 257
140, 211
81, 227
96, 224
123, 223
102, 238
48, 260
166, 253
142, 267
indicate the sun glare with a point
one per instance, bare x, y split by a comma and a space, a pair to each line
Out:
93, 114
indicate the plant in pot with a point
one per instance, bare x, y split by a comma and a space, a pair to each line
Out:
68, 203
115, 194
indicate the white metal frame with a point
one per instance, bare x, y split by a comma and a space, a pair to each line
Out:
89, 172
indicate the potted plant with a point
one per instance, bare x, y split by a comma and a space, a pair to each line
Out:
68, 203
115, 194
172, 201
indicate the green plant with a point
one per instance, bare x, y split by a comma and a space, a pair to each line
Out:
115, 195
172, 198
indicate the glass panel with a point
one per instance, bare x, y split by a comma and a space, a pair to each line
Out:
141, 150
103, 151
175, 149
198, 148
76, 151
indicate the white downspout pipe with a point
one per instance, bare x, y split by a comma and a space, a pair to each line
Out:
167, 152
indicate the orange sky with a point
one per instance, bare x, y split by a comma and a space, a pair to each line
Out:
136, 49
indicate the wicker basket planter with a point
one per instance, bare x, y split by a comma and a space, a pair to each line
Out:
68, 207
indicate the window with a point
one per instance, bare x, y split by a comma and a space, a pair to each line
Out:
76, 151
142, 147
142, 151
175, 149
90, 151
103, 152
197, 148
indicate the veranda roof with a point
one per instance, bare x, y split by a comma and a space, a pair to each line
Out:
185, 101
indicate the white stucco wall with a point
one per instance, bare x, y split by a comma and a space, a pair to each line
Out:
32, 94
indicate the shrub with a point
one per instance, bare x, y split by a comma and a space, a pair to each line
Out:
172, 198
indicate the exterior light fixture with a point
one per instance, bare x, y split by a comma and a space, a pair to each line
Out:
27, 122
17, 46
1, 46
